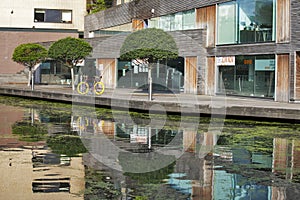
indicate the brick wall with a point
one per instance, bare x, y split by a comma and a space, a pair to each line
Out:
9, 40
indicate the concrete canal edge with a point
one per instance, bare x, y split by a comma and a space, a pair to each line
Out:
232, 111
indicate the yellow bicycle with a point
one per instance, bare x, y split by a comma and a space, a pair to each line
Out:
84, 88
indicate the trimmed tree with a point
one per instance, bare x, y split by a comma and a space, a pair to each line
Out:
150, 45
29, 55
96, 6
70, 52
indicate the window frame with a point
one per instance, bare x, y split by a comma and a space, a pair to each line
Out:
38, 19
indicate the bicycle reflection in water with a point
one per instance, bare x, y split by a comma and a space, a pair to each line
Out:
88, 86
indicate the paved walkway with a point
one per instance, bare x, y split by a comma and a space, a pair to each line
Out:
178, 102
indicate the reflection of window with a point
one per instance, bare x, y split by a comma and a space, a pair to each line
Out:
246, 21
53, 15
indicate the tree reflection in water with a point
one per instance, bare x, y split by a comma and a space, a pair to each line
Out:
252, 159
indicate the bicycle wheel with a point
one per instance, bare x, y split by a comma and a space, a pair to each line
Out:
83, 88
99, 88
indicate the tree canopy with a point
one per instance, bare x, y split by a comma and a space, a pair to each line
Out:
29, 54
98, 5
151, 43
70, 51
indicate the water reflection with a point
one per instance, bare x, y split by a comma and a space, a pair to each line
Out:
251, 160
29, 169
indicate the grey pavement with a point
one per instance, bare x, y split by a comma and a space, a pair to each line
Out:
231, 105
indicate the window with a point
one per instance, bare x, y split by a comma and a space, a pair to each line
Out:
53, 15
188, 19
246, 21
248, 76
177, 21
227, 23
122, 1
164, 23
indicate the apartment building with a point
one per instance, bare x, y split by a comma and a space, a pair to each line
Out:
29, 21
243, 47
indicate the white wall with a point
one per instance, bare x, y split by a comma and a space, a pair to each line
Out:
23, 13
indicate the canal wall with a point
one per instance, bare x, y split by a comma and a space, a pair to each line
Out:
231, 107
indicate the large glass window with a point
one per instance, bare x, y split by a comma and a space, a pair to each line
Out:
249, 76
188, 19
166, 75
53, 15
164, 23
246, 21
227, 23
177, 21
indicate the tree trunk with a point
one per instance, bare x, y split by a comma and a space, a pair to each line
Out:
32, 79
72, 77
29, 77
150, 81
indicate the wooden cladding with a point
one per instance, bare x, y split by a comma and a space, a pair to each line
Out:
206, 19
189, 140
297, 76
190, 79
283, 21
283, 80
137, 24
108, 71
108, 128
210, 78
280, 155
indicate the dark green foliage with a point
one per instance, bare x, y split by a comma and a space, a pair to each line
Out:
97, 187
69, 51
256, 136
156, 166
96, 6
66, 144
151, 43
29, 132
153, 177
29, 54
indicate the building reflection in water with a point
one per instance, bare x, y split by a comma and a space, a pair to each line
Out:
200, 178
29, 170
36, 173
43, 174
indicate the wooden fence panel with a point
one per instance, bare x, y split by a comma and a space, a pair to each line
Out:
297, 76
206, 19
190, 75
137, 24
283, 21
282, 86
108, 71
210, 78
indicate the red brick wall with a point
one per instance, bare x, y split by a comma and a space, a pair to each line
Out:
10, 40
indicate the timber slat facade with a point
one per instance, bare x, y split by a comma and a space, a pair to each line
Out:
201, 43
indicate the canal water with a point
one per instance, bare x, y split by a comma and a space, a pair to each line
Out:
47, 152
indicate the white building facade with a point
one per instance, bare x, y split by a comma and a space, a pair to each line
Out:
29, 21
